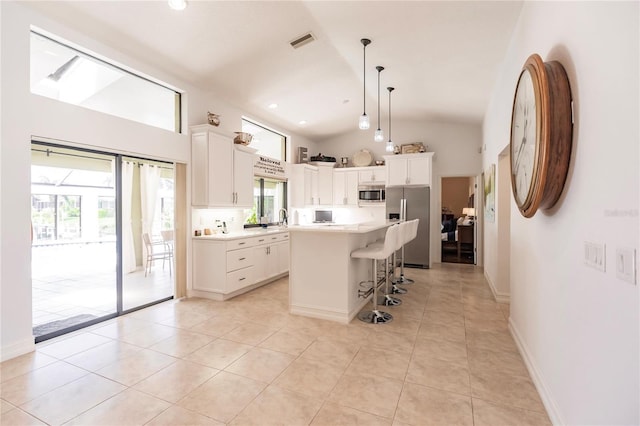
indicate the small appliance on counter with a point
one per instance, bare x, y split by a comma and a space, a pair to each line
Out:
323, 216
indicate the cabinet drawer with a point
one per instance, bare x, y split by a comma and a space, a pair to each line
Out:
239, 279
262, 239
270, 238
278, 237
238, 244
237, 259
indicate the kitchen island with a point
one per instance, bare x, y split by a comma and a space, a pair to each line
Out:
323, 278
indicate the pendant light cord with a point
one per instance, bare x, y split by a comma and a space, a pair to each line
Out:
390, 89
365, 42
379, 69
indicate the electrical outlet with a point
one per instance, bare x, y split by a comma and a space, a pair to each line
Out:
594, 255
626, 265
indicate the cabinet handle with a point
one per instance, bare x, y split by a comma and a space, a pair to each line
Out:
274, 238
242, 258
242, 243
242, 279
261, 240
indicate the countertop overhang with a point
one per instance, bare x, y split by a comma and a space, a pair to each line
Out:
356, 228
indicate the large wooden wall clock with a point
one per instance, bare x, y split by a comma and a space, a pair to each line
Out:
541, 135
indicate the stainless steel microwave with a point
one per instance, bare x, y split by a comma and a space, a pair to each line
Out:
371, 194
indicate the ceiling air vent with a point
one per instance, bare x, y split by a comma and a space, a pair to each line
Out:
302, 40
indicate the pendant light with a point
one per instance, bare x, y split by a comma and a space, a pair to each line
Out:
178, 4
379, 135
364, 118
389, 147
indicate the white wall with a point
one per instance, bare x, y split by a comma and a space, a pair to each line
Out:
25, 116
456, 154
578, 327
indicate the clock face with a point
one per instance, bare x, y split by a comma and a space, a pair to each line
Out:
524, 137
541, 135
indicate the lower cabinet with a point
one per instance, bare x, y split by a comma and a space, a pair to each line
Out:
221, 269
271, 259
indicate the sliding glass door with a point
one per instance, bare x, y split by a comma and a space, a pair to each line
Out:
147, 232
90, 212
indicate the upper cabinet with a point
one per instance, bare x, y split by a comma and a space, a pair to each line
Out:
374, 175
409, 169
303, 184
345, 187
221, 171
325, 184
311, 185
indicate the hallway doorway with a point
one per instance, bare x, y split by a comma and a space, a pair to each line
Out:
458, 220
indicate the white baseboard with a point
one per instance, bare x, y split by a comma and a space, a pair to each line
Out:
314, 312
498, 296
16, 349
536, 377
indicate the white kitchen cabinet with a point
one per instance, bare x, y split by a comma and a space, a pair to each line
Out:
409, 169
223, 269
303, 184
221, 171
374, 175
345, 187
271, 256
325, 184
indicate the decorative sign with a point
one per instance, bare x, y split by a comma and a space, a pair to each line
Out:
269, 167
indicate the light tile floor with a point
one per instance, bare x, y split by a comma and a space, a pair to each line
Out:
446, 359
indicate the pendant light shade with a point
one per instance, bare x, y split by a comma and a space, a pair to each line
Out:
379, 135
363, 123
389, 147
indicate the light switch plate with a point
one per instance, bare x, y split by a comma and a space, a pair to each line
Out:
626, 264
594, 255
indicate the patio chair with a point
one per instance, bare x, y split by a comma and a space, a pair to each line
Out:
156, 250
167, 238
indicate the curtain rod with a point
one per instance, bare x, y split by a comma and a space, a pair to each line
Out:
50, 151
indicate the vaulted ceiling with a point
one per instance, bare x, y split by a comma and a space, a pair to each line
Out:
442, 57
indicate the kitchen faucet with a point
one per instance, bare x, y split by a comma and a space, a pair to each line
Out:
285, 217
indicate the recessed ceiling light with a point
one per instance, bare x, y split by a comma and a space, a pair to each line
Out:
273, 106
302, 122
178, 4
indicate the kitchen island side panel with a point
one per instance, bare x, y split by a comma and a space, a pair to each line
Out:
323, 279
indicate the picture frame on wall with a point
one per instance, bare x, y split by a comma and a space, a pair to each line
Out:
490, 194
412, 148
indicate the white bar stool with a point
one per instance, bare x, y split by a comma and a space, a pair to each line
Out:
377, 252
411, 232
387, 299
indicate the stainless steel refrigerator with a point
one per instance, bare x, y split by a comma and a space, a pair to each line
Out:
409, 204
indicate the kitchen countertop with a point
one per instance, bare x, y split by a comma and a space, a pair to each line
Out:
246, 233
356, 228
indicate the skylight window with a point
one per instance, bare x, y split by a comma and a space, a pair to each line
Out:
65, 74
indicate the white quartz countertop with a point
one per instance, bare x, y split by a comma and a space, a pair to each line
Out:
356, 228
246, 233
